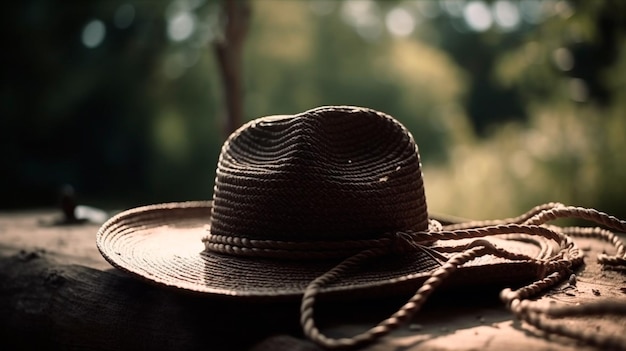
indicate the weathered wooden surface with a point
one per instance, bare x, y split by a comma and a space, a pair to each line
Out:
56, 290
46, 303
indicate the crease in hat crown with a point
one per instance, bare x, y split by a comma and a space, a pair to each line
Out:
331, 174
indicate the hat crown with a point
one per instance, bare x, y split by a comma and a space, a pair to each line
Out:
332, 173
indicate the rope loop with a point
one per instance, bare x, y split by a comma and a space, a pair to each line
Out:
555, 267
388, 325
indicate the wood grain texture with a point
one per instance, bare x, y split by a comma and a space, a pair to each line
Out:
48, 303
57, 291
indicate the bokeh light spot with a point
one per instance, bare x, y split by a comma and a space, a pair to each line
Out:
93, 33
181, 26
364, 16
400, 22
124, 16
453, 8
506, 14
563, 59
477, 16
564, 9
531, 10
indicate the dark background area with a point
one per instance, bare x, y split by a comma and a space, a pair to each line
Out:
512, 103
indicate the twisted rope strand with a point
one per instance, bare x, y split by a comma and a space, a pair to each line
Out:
307, 320
389, 324
545, 249
513, 220
242, 246
619, 259
494, 230
540, 315
513, 298
577, 212
530, 227
475, 249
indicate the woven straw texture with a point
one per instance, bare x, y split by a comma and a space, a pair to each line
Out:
328, 174
162, 244
293, 197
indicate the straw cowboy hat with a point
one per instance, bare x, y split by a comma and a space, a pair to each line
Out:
330, 201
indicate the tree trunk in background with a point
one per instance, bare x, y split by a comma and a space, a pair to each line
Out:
229, 52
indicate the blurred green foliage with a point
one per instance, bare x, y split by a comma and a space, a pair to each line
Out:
122, 99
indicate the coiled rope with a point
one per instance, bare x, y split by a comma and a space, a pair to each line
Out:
555, 270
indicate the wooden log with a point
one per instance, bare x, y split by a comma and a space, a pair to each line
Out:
46, 303
68, 297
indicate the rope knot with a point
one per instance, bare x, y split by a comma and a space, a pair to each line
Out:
402, 242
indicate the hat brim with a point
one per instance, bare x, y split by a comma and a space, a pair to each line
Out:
162, 244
